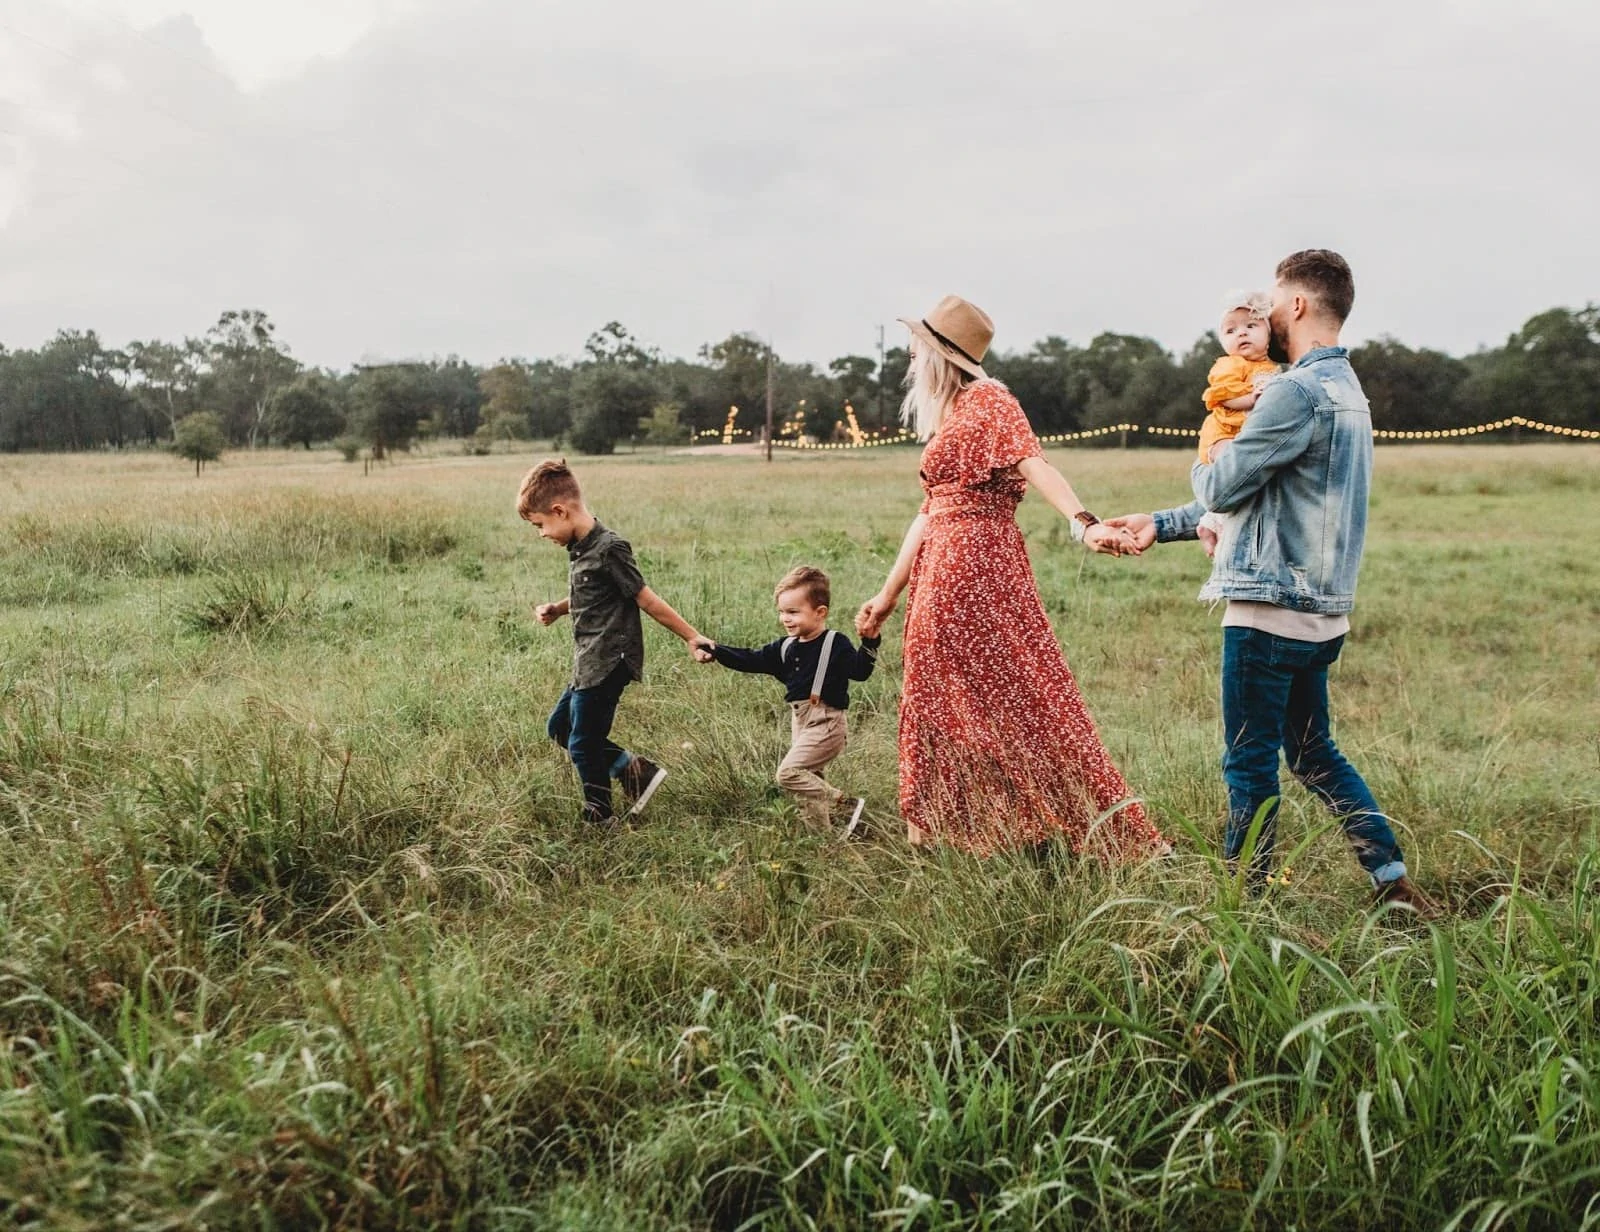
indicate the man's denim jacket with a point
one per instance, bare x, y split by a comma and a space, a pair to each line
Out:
1296, 478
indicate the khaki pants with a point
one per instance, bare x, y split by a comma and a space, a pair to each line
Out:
817, 736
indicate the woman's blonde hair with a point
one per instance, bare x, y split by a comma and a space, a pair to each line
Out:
932, 383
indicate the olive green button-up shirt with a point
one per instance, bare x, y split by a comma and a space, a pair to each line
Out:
603, 588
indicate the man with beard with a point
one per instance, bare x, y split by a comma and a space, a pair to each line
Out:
1296, 478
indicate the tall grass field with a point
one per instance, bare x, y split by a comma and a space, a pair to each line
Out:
298, 928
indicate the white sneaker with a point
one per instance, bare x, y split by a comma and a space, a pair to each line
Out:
640, 778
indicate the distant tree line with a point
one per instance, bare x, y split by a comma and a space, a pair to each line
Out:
75, 393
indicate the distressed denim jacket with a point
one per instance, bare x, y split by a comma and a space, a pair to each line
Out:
1296, 479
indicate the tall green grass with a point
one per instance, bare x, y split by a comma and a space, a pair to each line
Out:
297, 928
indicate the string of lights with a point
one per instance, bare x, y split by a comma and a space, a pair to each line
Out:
1515, 421
1064, 438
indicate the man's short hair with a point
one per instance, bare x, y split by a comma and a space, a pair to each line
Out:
549, 484
1325, 276
813, 581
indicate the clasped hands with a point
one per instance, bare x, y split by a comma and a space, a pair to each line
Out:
1111, 538
876, 610
1127, 535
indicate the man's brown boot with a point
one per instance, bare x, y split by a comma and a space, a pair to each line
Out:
1404, 891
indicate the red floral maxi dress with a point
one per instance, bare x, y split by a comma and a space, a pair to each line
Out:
996, 747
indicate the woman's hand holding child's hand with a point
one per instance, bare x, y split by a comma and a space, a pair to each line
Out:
876, 610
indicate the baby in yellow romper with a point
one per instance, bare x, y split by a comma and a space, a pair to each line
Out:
1235, 382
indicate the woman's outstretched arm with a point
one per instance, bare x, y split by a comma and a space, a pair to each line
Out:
1053, 486
876, 610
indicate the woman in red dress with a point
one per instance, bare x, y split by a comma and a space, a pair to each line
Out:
996, 747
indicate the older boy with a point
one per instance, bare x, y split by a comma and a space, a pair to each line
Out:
605, 595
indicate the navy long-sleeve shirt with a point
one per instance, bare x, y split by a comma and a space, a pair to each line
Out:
798, 669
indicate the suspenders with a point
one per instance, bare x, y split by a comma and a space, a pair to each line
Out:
822, 661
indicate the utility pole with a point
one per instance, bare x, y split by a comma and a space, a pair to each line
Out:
769, 399
881, 420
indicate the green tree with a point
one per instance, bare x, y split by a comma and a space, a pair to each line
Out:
1105, 374
551, 412
613, 344
664, 426
246, 364
857, 379
1549, 370
458, 400
892, 384
1185, 407
1155, 394
69, 394
1046, 380
739, 365
387, 402
798, 387
609, 401
199, 439
167, 377
612, 390
1410, 389
507, 397
309, 409
697, 391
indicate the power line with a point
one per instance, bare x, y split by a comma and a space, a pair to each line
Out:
89, 64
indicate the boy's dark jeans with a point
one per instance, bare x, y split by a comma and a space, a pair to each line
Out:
1275, 696
581, 724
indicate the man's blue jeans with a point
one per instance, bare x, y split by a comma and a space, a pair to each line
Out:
581, 724
1275, 696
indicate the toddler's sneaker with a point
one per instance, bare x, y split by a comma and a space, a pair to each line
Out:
639, 780
851, 808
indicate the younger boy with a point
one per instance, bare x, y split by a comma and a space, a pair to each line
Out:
816, 666
605, 594
1234, 384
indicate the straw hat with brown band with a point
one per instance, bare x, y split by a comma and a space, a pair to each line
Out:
959, 331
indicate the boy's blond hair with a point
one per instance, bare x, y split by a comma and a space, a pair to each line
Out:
811, 580
546, 485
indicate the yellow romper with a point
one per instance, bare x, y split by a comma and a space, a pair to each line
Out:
1231, 377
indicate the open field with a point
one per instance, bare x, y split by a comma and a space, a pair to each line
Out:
297, 930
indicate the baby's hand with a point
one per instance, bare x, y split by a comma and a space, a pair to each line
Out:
1216, 450
1208, 539
547, 613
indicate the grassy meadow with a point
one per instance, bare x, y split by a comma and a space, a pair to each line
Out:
297, 928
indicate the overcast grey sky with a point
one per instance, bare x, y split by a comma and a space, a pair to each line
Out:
495, 177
